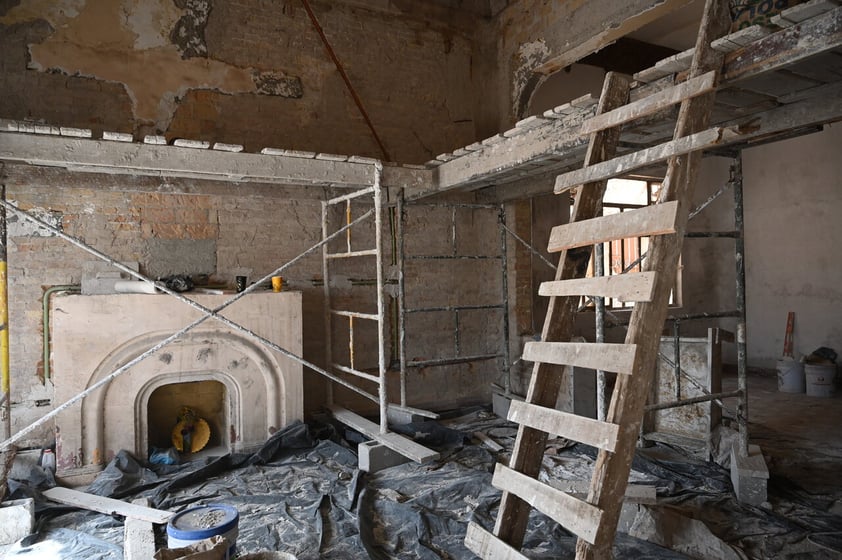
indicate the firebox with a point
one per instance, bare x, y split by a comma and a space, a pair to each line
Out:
241, 388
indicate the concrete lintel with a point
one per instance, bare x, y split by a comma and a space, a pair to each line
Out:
100, 156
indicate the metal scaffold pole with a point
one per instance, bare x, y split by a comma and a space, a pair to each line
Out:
742, 360
5, 375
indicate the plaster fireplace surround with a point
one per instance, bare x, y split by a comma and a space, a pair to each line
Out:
243, 389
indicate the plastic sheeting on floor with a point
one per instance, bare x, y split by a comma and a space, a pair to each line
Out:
303, 494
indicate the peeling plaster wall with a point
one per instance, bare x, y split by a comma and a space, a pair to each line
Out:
252, 73
547, 35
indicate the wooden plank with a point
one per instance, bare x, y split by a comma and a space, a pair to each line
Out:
577, 516
658, 219
138, 536
571, 426
635, 160
487, 546
106, 505
652, 104
603, 356
635, 286
528, 451
393, 441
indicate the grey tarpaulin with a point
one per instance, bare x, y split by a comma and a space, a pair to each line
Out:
302, 493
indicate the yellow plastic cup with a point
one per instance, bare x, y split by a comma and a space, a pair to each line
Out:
277, 283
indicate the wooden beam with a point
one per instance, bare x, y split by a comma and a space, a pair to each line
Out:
487, 546
602, 356
571, 426
577, 516
651, 104
658, 219
633, 286
636, 160
784, 48
393, 441
106, 505
604, 22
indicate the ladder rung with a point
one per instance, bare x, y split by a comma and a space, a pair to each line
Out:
636, 286
602, 356
350, 254
355, 314
602, 435
658, 219
643, 158
651, 104
487, 546
358, 373
573, 514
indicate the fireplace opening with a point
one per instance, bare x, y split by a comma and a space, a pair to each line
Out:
208, 399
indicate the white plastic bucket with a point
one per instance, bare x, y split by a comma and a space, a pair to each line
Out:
203, 522
790, 376
820, 379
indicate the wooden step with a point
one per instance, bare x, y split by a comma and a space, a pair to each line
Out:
487, 546
577, 516
601, 435
635, 286
658, 219
651, 104
601, 356
636, 160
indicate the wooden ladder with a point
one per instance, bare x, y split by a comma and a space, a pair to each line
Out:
594, 520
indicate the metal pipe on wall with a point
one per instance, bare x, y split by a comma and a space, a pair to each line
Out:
45, 314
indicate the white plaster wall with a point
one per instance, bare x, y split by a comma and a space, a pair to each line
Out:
793, 219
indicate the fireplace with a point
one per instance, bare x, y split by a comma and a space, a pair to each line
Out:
241, 388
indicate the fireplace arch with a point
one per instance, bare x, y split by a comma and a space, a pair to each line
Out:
262, 388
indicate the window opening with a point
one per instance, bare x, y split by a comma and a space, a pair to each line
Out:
627, 255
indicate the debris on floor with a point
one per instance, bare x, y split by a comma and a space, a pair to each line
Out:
302, 493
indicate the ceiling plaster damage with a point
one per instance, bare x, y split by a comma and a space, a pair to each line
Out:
156, 50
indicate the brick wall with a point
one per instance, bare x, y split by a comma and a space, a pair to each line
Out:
184, 226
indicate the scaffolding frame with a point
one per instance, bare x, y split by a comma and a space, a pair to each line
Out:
404, 311
207, 313
382, 397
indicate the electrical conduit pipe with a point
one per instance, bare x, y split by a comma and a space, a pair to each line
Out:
45, 305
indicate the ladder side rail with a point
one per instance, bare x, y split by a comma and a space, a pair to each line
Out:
611, 470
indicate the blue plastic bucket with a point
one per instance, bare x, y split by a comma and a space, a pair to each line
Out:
203, 522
